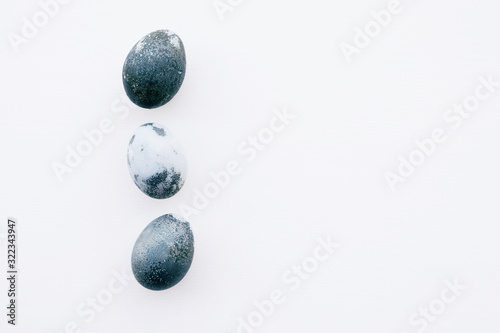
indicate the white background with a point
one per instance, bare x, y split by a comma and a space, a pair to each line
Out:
322, 176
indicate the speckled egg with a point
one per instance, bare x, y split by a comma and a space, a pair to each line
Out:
154, 69
156, 161
163, 252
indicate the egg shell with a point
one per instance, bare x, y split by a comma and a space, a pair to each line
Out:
154, 69
163, 253
156, 161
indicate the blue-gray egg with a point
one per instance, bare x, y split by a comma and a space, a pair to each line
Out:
154, 69
163, 252
156, 161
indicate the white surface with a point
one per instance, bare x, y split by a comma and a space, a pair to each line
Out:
322, 175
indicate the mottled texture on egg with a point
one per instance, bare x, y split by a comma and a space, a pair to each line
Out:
154, 69
163, 252
156, 161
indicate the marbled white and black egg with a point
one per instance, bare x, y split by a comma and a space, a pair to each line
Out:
156, 161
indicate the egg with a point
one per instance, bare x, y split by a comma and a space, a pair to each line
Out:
154, 69
163, 253
156, 161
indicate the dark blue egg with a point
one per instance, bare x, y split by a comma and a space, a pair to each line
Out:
163, 252
154, 69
